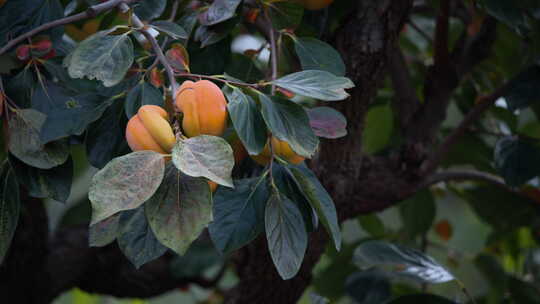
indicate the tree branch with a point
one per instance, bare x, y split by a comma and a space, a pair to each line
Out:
440, 153
155, 46
407, 101
88, 13
463, 175
273, 48
442, 56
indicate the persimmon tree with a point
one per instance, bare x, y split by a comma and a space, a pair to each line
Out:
253, 162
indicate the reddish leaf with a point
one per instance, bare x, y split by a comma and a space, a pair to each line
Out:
23, 52
178, 57
444, 230
156, 77
327, 122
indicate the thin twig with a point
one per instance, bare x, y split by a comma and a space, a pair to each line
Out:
88, 13
440, 153
273, 48
461, 175
242, 84
155, 46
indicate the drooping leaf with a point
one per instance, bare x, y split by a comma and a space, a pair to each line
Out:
25, 144
316, 84
67, 114
288, 121
421, 299
125, 183
517, 160
53, 183
327, 122
523, 89
207, 156
172, 29
106, 138
409, 263
418, 213
368, 287
219, 11
136, 239
105, 232
179, 210
150, 9
103, 57
178, 57
9, 208
319, 199
247, 120
200, 257
286, 235
318, 55
238, 214
143, 94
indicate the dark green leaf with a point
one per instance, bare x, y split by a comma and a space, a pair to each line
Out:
21, 87
136, 239
67, 114
286, 235
125, 183
53, 183
247, 120
170, 28
103, 233
372, 224
286, 14
318, 55
508, 12
517, 160
319, 199
327, 122
244, 68
523, 89
288, 121
58, 71
150, 9
179, 210
209, 35
199, 258
378, 131
105, 138
316, 84
238, 214
409, 263
143, 94
421, 299
219, 11
103, 57
205, 156
418, 213
368, 287
25, 144
523, 292
9, 208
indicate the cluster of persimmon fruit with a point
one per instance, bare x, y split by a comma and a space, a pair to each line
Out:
203, 109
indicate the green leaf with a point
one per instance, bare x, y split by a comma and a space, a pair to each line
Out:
172, 29
238, 214
378, 131
219, 11
319, 199
286, 235
103, 57
318, 55
317, 299
179, 210
421, 299
522, 291
288, 121
327, 122
105, 138
24, 130
67, 114
125, 183
286, 14
247, 120
207, 156
508, 12
368, 287
243, 67
53, 183
199, 258
9, 208
316, 84
409, 263
136, 239
372, 224
517, 160
523, 89
418, 213
209, 35
150, 9
103, 233
143, 94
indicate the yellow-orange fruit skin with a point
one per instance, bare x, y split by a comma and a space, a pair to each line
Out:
315, 4
213, 186
204, 108
281, 149
149, 129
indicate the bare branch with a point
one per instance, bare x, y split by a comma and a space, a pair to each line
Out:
174, 10
463, 175
89, 13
